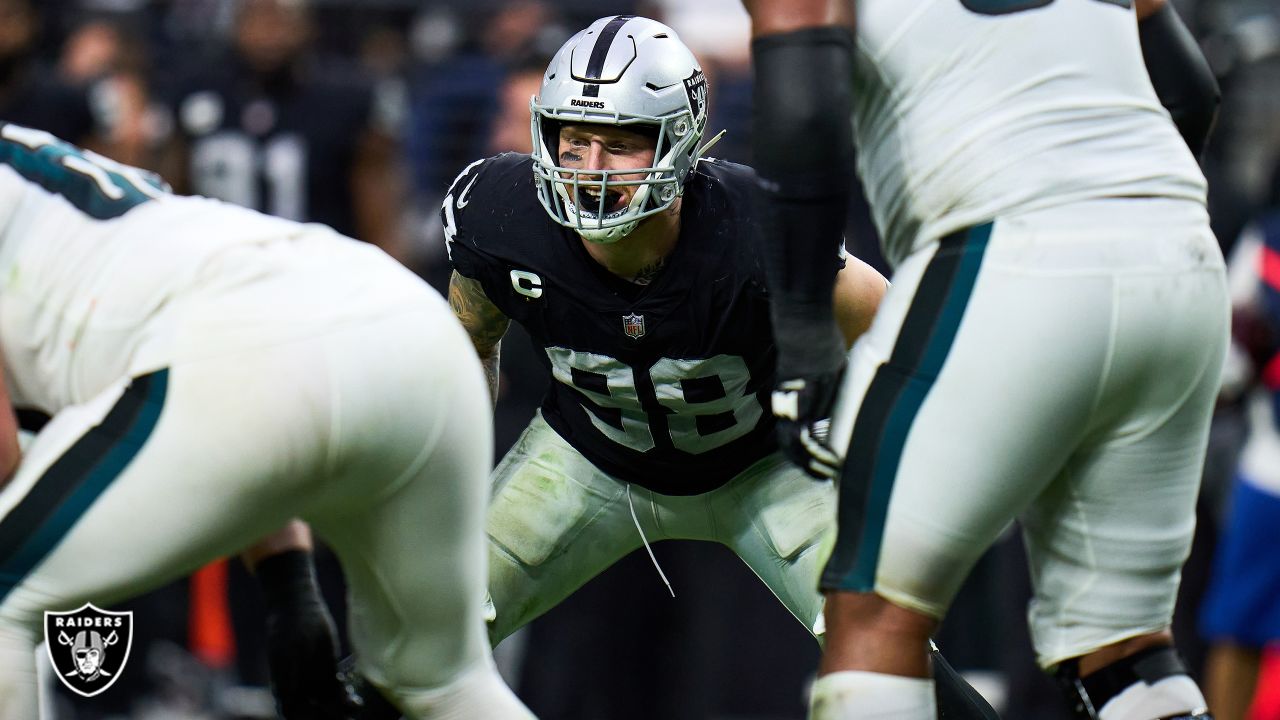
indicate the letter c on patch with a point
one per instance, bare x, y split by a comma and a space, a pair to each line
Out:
526, 283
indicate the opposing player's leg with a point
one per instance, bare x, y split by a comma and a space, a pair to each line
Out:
975, 413
876, 650
412, 548
554, 522
152, 478
1108, 538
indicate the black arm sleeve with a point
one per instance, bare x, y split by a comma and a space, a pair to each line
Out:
803, 150
1183, 81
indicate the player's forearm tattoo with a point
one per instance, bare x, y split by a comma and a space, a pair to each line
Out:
490, 364
484, 322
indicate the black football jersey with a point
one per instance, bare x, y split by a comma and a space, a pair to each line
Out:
664, 385
288, 152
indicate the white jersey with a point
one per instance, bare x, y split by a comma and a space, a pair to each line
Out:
962, 115
91, 252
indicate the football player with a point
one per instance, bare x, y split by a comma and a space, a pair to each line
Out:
628, 257
211, 373
1050, 348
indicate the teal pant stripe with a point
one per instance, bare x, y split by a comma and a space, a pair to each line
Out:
62, 495
893, 399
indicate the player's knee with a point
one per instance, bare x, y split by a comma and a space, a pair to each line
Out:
1149, 684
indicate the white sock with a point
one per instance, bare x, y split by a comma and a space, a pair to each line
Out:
858, 695
477, 693
1171, 696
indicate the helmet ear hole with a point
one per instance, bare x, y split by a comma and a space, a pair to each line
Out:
551, 137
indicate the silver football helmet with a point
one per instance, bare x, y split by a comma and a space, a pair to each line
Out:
634, 73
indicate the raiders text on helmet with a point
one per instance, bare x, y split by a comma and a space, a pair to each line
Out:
634, 73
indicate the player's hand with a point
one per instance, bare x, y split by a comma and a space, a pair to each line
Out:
302, 653
302, 641
802, 406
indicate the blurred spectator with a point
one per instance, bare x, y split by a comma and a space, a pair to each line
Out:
101, 56
34, 95
1242, 41
274, 128
455, 97
510, 129
469, 98
1241, 613
716, 30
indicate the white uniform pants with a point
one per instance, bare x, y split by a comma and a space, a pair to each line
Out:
556, 521
1058, 367
310, 377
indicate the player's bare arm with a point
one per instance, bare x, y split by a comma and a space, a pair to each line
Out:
779, 16
859, 289
1145, 8
295, 535
484, 322
1180, 74
302, 640
802, 52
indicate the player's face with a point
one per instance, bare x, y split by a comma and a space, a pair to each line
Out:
271, 33
17, 27
587, 147
87, 660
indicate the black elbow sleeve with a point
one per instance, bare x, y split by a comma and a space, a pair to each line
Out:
802, 143
802, 139
1181, 75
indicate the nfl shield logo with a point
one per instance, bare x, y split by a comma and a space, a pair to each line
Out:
88, 647
633, 326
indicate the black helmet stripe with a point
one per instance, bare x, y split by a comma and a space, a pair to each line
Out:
595, 64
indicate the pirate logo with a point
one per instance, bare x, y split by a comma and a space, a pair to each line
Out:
696, 87
88, 647
633, 326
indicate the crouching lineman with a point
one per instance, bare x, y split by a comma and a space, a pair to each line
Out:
212, 373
